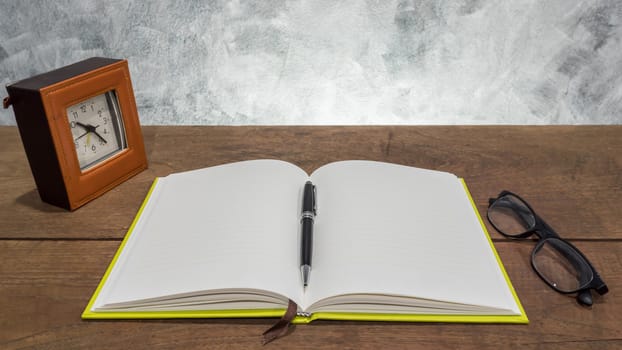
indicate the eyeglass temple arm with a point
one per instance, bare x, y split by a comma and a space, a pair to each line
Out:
584, 296
599, 285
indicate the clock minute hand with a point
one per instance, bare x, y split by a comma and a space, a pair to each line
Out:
98, 135
90, 128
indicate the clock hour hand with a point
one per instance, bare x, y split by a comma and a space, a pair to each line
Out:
85, 127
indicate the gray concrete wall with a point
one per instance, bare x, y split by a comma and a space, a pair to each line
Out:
336, 62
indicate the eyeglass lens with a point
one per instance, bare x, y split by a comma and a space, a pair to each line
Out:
561, 266
511, 216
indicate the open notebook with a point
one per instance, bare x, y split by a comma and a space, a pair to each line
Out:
391, 242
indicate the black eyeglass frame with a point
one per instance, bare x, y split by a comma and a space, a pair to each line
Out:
546, 233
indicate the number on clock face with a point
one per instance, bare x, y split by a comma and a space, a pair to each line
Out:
97, 129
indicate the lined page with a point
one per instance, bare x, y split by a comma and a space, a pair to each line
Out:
227, 227
389, 229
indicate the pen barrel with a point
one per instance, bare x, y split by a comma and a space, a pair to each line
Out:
308, 199
307, 241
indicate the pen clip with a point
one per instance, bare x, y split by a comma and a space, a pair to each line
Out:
314, 200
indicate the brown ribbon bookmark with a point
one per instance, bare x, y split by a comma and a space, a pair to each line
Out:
282, 326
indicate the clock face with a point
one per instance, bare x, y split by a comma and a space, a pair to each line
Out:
97, 129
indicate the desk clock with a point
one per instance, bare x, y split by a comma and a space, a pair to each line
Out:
80, 129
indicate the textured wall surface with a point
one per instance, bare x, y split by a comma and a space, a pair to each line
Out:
336, 62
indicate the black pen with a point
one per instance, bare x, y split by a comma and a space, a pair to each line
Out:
306, 220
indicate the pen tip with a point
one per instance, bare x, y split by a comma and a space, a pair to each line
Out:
306, 270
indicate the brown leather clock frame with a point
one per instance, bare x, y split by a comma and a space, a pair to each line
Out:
40, 105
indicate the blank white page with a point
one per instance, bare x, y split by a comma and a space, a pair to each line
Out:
390, 229
233, 226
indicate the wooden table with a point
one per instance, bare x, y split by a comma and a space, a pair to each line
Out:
52, 260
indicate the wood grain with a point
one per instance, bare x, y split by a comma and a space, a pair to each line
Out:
46, 285
52, 260
572, 175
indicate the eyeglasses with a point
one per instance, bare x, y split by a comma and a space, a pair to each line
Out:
558, 263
